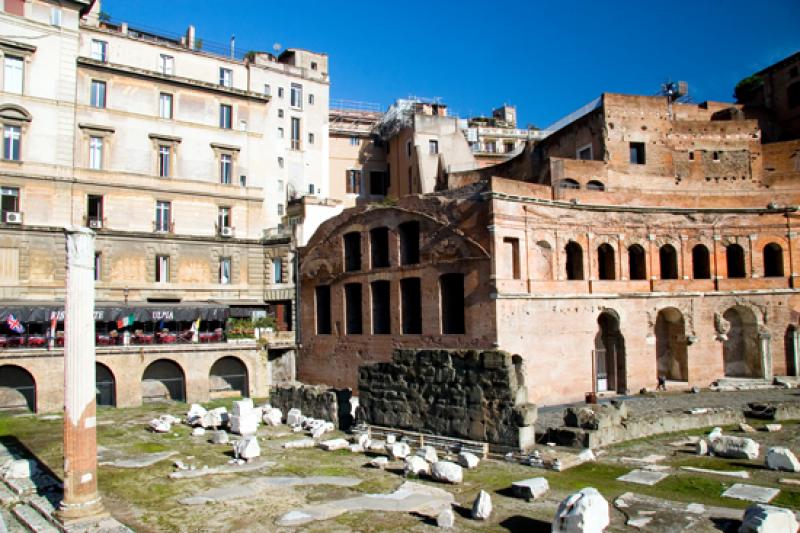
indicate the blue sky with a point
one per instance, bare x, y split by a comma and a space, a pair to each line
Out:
547, 58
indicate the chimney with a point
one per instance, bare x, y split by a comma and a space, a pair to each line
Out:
190, 37
123, 28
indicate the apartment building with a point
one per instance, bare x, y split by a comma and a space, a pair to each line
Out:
182, 161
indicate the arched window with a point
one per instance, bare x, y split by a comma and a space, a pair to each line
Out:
734, 256
574, 261
773, 260
605, 262
668, 259
568, 184
637, 267
595, 185
701, 268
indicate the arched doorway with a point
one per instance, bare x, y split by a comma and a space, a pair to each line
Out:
17, 389
228, 377
609, 351
163, 380
106, 388
740, 352
671, 354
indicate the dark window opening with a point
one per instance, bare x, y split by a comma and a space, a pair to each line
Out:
734, 256
793, 94
352, 299
574, 261
568, 183
379, 247
409, 242
773, 260
323, 300
637, 266
94, 210
511, 244
378, 183
595, 185
605, 262
668, 259
701, 265
352, 251
381, 308
452, 301
637, 153
411, 304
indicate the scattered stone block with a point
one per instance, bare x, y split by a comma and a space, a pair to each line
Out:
789, 481
379, 462
246, 448
377, 446
643, 477
779, 458
399, 450
301, 443
294, 417
429, 454
334, 444
697, 410
416, 465
244, 425
158, 425
198, 432
482, 506
751, 493
272, 416
355, 448
195, 414
715, 433
530, 489
734, 447
391, 439
446, 519
363, 440
586, 456
220, 437
242, 407
701, 448
761, 518
468, 460
746, 428
447, 472
585, 511
773, 427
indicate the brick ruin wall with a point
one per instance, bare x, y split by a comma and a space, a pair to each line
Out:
469, 394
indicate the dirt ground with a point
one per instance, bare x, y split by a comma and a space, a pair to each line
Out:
146, 499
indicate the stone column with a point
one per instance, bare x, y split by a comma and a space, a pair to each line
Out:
764, 338
795, 352
81, 499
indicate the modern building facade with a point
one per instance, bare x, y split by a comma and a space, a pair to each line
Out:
182, 161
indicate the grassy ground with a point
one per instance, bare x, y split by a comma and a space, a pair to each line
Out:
146, 499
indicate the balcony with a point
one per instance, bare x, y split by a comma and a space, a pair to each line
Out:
163, 227
296, 145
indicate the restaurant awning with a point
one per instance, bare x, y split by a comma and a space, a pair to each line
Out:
111, 311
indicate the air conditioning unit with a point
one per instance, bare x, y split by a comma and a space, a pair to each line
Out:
95, 223
226, 232
13, 217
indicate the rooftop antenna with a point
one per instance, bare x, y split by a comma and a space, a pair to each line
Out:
277, 48
674, 91
233, 46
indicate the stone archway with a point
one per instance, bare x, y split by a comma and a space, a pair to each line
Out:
228, 377
609, 352
163, 380
106, 386
672, 360
17, 388
741, 352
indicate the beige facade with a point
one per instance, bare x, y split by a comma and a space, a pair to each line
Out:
181, 161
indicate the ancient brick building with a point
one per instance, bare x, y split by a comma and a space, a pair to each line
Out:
641, 238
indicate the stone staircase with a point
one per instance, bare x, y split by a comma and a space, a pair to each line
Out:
24, 509
734, 384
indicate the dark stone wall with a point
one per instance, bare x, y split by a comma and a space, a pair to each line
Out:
316, 401
470, 394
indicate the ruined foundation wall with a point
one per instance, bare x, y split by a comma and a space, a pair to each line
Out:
470, 394
316, 401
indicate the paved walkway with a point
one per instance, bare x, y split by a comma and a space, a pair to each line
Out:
639, 405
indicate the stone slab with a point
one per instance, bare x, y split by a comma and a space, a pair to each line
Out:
241, 490
139, 461
751, 493
643, 477
741, 474
33, 520
410, 497
224, 469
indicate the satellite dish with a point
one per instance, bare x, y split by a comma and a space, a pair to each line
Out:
277, 47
